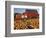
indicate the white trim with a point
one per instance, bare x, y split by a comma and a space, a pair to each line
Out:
39, 8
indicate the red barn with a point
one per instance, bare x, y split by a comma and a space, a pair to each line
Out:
28, 14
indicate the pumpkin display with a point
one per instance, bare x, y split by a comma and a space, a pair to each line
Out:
27, 20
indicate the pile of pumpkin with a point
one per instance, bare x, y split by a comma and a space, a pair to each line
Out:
26, 23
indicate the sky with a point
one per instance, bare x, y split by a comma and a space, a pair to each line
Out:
19, 10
